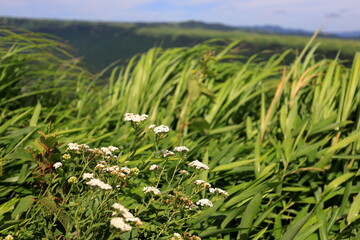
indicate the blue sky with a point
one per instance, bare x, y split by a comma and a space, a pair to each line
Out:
331, 15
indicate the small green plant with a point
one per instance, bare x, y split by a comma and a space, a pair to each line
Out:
108, 193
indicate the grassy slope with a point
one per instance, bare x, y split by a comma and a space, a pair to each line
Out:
103, 43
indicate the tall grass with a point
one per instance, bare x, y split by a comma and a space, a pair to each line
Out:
283, 140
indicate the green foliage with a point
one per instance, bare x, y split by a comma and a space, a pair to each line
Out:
282, 140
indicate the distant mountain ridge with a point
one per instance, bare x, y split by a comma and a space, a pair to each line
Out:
102, 43
271, 29
267, 29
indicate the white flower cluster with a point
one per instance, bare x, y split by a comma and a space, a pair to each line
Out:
125, 170
219, 191
98, 183
204, 202
77, 147
114, 170
198, 165
183, 172
202, 183
136, 118
154, 167
189, 236
181, 149
161, 129
101, 164
166, 153
126, 216
108, 151
88, 176
57, 165
119, 223
176, 236
153, 190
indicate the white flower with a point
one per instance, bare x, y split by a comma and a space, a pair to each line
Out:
57, 165
198, 165
125, 170
219, 191
152, 126
203, 183
119, 207
88, 175
183, 172
105, 186
126, 214
113, 169
166, 153
73, 147
199, 182
98, 183
204, 202
135, 220
153, 190
106, 151
130, 117
83, 146
181, 149
94, 182
100, 166
96, 150
112, 148
161, 129
177, 236
154, 167
120, 224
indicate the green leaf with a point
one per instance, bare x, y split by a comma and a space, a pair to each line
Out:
24, 204
249, 216
22, 154
8, 206
295, 227
305, 233
231, 166
24, 173
337, 181
354, 210
231, 215
35, 116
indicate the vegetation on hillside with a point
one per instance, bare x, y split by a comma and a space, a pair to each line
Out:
101, 43
283, 141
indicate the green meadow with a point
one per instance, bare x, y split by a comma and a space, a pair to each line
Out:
276, 139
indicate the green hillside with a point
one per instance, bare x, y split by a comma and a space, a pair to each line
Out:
101, 43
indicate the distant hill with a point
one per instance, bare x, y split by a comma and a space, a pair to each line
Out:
353, 35
101, 43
